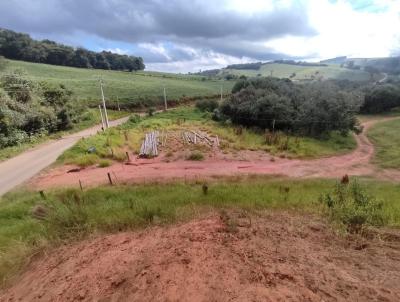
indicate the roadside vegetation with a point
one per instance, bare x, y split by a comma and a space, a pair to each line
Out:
90, 117
386, 139
31, 222
113, 143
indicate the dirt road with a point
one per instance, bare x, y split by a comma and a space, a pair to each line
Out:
22, 167
357, 162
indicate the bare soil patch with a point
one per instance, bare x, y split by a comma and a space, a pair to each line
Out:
216, 163
229, 257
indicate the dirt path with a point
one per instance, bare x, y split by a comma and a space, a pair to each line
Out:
143, 170
18, 169
262, 259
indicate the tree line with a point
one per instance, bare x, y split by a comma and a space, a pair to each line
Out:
19, 46
313, 109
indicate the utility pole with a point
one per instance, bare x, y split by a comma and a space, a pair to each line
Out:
102, 118
165, 100
221, 92
119, 109
104, 105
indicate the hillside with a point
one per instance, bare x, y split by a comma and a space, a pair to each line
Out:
130, 87
301, 72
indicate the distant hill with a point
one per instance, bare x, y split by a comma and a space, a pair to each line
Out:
337, 60
136, 89
389, 65
297, 71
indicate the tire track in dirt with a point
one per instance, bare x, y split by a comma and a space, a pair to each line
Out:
355, 163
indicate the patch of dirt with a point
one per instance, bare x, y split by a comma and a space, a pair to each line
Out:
229, 257
164, 168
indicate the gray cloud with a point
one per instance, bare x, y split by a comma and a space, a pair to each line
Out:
203, 25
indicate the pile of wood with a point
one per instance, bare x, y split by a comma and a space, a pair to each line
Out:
149, 145
193, 137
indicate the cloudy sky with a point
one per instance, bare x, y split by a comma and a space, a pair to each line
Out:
189, 35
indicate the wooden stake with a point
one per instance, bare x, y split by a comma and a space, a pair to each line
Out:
80, 185
109, 178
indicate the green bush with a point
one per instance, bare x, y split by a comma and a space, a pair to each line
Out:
196, 155
207, 105
350, 205
311, 109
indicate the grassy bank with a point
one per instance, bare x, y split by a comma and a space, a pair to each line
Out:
90, 118
72, 214
130, 87
386, 139
113, 144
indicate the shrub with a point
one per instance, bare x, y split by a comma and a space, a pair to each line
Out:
207, 105
381, 99
196, 155
104, 163
351, 206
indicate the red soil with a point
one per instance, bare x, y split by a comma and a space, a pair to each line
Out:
142, 170
259, 259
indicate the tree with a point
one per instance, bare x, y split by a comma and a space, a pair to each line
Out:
313, 109
22, 47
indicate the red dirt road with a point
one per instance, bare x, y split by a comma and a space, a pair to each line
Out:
143, 170
260, 260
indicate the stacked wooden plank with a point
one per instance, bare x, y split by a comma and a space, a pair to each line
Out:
149, 145
193, 137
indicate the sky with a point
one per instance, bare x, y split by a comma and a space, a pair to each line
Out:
192, 35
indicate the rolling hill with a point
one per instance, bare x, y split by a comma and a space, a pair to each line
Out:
300, 73
131, 88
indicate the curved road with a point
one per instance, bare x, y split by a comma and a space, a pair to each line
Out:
19, 169
355, 163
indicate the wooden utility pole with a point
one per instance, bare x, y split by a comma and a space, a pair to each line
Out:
119, 109
221, 92
102, 118
165, 100
104, 105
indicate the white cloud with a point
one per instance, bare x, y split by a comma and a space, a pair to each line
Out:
201, 61
345, 31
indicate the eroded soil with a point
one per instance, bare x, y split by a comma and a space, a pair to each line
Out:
228, 257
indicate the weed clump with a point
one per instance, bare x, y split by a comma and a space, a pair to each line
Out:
104, 163
196, 155
350, 205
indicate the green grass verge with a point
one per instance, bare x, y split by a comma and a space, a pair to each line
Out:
386, 139
72, 214
90, 118
112, 144
130, 87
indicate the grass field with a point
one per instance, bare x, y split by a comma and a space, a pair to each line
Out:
304, 72
386, 139
132, 88
72, 214
112, 143
90, 118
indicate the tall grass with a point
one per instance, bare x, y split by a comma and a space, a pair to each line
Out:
72, 214
386, 139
